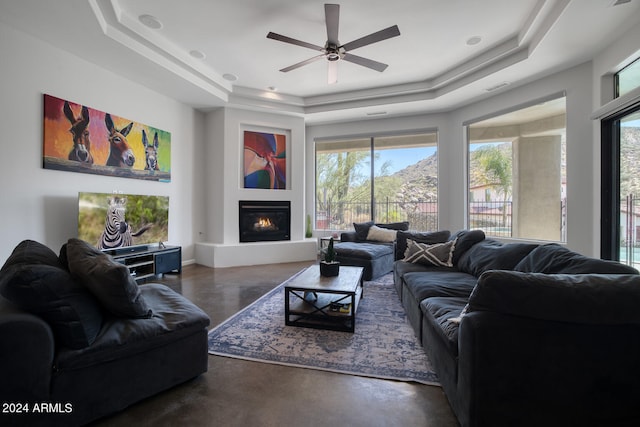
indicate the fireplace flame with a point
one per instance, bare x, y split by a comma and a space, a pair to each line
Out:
264, 224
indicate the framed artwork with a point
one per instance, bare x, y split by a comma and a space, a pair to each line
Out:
265, 160
78, 138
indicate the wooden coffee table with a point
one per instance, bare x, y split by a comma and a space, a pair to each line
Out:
315, 301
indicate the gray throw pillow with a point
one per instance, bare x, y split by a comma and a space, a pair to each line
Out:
362, 230
438, 254
420, 237
108, 280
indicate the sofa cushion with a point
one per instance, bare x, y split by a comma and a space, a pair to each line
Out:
439, 284
379, 234
362, 250
107, 279
465, 239
437, 311
31, 252
436, 254
420, 237
553, 258
490, 254
34, 280
598, 299
174, 317
401, 268
399, 226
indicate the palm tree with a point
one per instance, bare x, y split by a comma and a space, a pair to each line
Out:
496, 171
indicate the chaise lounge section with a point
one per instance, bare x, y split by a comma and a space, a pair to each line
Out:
370, 246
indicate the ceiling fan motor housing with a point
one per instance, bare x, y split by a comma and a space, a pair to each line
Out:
334, 52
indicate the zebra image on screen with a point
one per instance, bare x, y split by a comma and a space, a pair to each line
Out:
117, 232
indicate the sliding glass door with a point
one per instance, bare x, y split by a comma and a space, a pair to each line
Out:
621, 187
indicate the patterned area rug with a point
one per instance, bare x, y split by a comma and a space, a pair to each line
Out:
383, 345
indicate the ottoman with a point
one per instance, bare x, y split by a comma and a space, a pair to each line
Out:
376, 258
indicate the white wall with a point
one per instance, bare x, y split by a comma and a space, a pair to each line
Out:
41, 204
220, 245
224, 133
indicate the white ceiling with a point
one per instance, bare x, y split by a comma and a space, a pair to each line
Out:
431, 67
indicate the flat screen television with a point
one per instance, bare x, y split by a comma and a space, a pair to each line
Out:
111, 221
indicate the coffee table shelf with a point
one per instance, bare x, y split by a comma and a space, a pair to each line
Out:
314, 301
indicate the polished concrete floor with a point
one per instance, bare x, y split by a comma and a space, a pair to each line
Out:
241, 393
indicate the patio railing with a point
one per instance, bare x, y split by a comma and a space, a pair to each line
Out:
630, 244
422, 215
494, 218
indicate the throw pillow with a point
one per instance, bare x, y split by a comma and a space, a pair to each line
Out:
107, 279
438, 254
34, 281
378, 234
420, 237
362, 230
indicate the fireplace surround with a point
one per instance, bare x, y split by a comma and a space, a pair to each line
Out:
264, 220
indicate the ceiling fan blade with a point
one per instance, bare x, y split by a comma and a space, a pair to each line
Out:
332, 72
369, 63
332, 18
387, 33
301, 63
286, 39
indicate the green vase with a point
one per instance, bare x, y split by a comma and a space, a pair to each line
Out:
308, 232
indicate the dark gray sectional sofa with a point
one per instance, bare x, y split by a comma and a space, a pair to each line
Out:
528, 335
79, 339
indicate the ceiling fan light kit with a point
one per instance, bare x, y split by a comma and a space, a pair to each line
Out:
333, 51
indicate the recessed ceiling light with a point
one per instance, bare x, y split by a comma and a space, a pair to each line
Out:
471, 41
230, 77
618, 2
197, 54
498, 86
150, 21
272, 88
377, 113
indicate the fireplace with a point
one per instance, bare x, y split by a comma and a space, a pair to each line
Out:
264, 221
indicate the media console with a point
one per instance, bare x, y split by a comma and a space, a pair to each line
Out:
148, 261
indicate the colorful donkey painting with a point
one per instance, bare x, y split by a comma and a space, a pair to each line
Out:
265, 160
78, 138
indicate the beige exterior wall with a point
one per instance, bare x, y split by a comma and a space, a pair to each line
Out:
537, 187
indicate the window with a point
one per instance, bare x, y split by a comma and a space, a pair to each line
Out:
381, 178
517, 173
628, 78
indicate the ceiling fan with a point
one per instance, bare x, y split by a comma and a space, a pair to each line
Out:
333, 50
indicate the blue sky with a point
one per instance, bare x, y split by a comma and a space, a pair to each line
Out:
401, 158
